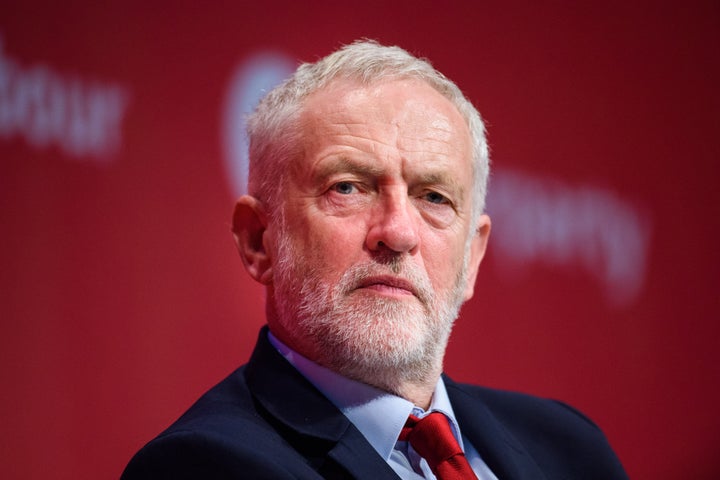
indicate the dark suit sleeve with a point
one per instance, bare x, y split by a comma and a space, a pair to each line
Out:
584, 449
522, 436
190, 455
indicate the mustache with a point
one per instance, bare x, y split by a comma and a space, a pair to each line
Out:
398, 268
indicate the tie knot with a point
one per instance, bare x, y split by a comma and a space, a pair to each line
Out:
431, 437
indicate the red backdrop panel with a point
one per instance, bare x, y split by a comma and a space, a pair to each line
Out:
121, 296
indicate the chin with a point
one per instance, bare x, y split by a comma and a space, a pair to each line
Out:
364, 345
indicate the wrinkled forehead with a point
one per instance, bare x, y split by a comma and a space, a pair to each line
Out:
407, 103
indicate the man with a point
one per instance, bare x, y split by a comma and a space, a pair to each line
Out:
365, 222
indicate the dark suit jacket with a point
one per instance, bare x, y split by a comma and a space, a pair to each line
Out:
266, 421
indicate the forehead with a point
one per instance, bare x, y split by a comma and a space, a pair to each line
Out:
404, 115
349, 98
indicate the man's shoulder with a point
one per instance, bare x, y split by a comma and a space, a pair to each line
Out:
519, 407
558, 437
222, 434
221, 410
525, 415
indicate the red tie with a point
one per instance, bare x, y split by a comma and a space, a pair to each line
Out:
432, 438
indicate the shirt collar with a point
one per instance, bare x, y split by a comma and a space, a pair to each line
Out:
379, 415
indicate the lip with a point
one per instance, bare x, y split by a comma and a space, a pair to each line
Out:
388, 285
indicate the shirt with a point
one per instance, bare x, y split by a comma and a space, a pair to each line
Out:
380, 416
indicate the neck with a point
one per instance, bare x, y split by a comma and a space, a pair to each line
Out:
416, 386
419, 395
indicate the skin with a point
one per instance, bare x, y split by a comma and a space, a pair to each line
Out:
384, 178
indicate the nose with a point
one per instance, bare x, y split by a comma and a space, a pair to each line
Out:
393, 226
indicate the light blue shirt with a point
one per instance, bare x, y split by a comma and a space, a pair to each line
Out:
380, 416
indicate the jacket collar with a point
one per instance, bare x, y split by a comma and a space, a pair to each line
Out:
308, 420
502, 452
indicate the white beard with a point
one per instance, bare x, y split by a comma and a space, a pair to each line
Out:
383, 342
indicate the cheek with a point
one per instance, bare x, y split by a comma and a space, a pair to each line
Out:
443, 260
334, 243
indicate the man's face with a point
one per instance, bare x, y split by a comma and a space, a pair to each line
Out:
375, 249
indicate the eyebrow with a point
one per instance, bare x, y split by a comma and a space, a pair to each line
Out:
345, 165
437, 178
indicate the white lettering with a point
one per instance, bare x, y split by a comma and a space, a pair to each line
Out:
545, 221
82, 118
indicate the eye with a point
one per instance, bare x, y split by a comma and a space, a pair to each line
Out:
344, 188
436, 198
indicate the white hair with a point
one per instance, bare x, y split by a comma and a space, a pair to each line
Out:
273, 130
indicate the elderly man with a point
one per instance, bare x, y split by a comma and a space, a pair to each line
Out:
365, 222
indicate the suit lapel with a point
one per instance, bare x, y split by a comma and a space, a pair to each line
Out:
359, 458
505, 456
308, 421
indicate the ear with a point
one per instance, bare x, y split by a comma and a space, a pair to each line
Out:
478, 245
249, 227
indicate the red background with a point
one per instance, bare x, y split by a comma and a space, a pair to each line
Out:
122, 298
